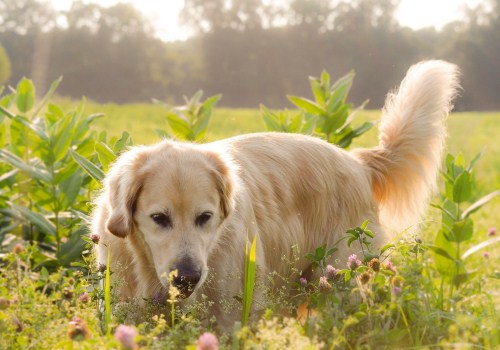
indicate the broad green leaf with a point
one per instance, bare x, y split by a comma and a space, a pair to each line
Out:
122, 143
6, 101
83, 126
474, 161
462, 231
445, 254
32, 171
70, 188
462, 187
180, 127
62, 137
310, 124
296, 123
64, 173
386, 247
36, 219
459, 164
25, 95
339, 92
479, 203
270, 119
450, 214
37, 128
105, 154
200, 127
89, 167
317, 89
346, 140
49, 94
306, 105
364, 225
208, 105
325, 81
478, 247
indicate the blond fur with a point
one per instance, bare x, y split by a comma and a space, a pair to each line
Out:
289, 190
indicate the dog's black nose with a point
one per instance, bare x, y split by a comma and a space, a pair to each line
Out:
187, 278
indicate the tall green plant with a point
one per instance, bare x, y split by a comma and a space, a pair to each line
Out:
328, 116
46, 192
190, 121
457, 226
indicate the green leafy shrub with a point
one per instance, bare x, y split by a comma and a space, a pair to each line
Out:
190, 121
45, 193
328, 116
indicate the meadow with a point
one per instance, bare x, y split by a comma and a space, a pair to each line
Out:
403, 298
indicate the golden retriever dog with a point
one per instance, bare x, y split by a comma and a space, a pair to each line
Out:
190, 207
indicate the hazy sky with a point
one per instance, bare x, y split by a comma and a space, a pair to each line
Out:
413, 13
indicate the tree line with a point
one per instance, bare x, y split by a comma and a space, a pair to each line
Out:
251, 51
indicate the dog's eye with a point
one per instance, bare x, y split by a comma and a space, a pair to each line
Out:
203, 218
162, 220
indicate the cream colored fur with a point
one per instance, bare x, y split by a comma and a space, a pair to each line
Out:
289, 189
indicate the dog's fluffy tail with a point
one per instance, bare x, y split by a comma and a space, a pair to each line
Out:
405, 165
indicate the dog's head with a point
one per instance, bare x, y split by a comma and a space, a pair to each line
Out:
172, 198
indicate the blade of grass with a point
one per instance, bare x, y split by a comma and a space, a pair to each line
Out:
249, 281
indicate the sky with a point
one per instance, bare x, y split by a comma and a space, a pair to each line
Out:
415, 14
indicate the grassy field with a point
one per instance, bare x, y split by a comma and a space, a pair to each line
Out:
406, 305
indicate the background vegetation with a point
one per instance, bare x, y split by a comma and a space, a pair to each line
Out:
250, 52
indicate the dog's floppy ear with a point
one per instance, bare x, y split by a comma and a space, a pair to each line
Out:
122, 187
224, 176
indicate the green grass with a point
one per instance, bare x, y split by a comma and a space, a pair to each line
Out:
37, 307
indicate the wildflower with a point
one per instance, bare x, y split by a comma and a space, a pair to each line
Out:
78, 329
353, 262
207, 341
486, 255
375, 264
365, 277
303, 281
390, 266
492, 231
67, 293
18, 249
331, 271
84, 298
324, 286
396, 290
125, 335
71, 280
95, 238
4, 303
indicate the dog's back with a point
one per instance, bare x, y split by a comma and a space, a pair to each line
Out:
306, 192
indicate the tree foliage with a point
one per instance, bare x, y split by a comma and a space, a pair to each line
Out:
251, 51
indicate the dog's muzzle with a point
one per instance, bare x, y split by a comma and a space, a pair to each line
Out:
188, 276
